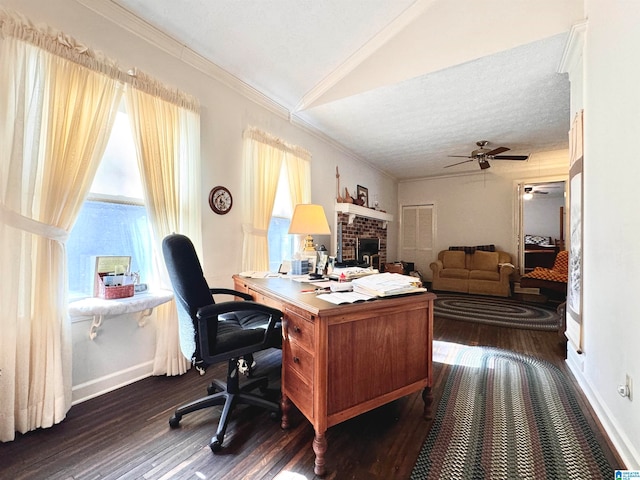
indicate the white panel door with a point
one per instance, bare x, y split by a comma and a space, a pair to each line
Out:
417, 237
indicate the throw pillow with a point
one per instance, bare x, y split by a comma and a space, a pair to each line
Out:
453, 259
487, 261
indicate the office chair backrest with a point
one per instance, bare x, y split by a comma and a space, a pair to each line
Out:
190, 289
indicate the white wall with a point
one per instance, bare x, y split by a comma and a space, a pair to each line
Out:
121, 352
542, 215
225, 114
481, 207
469, 209
611, 220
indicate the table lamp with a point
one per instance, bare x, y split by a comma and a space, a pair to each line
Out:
309, 219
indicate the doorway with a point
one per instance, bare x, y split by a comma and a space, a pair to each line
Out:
417, 230
542, 232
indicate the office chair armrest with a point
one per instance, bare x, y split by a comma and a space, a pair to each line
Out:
228, 291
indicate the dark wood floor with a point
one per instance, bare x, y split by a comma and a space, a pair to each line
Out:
125, 434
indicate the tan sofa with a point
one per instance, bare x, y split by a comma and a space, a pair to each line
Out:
480, 272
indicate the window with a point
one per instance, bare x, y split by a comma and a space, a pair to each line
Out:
281, 244
113, 219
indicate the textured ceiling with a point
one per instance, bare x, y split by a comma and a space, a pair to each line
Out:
399, 83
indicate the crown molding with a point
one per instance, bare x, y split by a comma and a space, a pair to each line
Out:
312, 130
150, 34
573, 49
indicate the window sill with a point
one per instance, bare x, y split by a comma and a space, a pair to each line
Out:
98, 308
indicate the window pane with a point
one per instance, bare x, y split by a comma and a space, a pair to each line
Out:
282, 204
118, 174
105, 228
280, 242
117, 226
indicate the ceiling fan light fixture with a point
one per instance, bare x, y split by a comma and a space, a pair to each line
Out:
528, 195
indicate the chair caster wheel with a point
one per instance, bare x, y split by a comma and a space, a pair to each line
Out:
215, 445
274, 416
211, 389
174, 422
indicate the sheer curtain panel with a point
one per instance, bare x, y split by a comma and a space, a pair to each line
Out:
167, 138
49, 156
263, 156
58, 103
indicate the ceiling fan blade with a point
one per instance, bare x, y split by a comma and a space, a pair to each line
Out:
510, 157
459, 163
498, 150
460, 156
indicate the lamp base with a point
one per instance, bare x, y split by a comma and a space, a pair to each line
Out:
308, 245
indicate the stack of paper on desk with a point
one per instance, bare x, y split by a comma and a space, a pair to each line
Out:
340, 298
351, 272
387, 284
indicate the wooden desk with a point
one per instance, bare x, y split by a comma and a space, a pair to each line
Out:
339, 361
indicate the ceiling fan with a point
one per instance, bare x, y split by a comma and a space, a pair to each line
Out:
483, 155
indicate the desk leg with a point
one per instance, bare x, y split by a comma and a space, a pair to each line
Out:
319, 448
427, 397
285, 406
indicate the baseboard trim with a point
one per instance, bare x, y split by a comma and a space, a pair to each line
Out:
621, 443
94, 388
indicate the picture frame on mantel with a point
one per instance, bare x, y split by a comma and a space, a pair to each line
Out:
363, 193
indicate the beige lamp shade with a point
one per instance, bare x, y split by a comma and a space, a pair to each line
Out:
309, 219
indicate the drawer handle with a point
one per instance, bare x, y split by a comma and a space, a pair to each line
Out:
296, 329
296, 360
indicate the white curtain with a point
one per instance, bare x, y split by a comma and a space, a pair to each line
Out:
167, 138
299, 175
58, 102
263, 155
49, 155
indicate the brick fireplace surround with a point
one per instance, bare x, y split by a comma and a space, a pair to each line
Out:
364, 228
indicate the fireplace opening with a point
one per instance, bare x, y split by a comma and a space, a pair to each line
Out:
368, 251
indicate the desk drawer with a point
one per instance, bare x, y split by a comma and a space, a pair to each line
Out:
299, 330
297, 366
300, 393
269, 302
298, 359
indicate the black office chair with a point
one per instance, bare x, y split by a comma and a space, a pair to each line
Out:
213, 332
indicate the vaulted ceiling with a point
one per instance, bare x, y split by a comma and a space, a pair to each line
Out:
401, 84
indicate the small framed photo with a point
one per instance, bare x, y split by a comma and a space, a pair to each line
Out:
363, 194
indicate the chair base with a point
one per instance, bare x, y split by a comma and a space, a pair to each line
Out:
228, 396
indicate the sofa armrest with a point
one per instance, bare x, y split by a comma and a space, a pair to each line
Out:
436, 267
505, 271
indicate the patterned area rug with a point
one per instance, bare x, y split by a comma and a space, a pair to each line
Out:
504, 312
505, 416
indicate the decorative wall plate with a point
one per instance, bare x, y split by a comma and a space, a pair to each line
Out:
220, 200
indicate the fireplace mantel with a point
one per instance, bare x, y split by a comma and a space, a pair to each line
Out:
357, 211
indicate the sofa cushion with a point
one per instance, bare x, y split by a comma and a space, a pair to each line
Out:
453, 259
487, 261
484, 275
461, 273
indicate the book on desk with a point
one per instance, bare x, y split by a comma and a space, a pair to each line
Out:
375, 286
